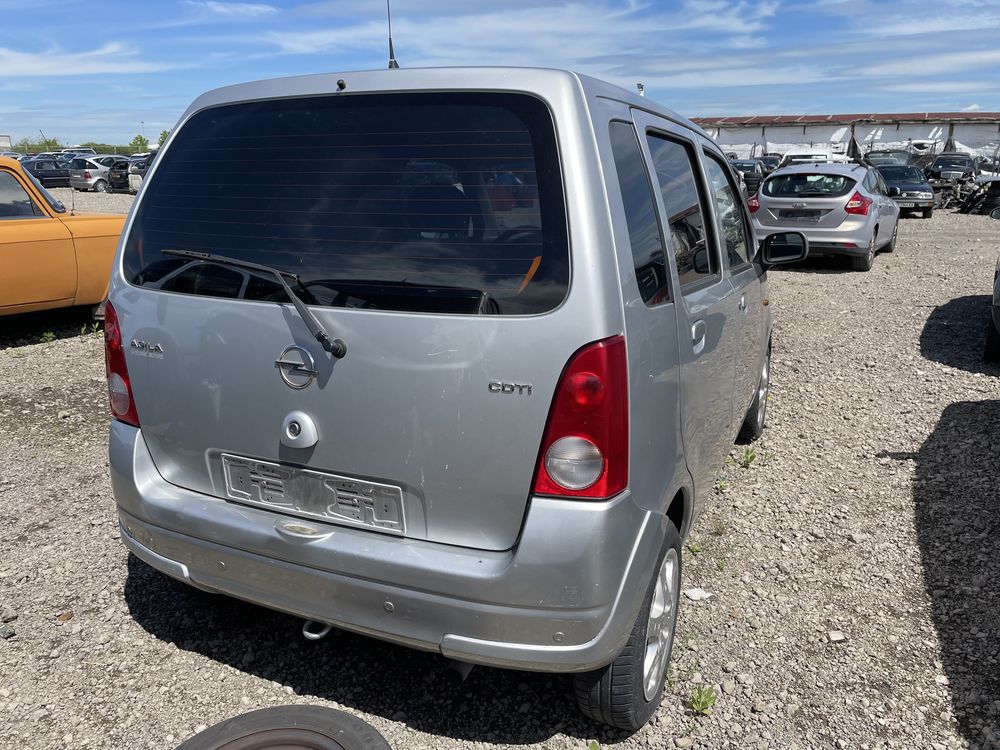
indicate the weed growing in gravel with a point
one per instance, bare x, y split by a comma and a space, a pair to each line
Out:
721, 564
48, 337
720, 486
694, 548
718, 528
593, 745
748, 457
94, 329
17, 354
702, 700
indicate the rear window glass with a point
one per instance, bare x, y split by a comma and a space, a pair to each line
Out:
79, 164
816, 185
901, 174
417, 202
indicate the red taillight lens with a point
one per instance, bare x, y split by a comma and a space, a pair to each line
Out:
585, 449
753, 203
119, 388
86, 175
858, 204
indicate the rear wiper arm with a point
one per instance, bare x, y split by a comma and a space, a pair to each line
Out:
336, 347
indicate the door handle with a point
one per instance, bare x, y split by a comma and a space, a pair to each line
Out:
743, 303
698, 336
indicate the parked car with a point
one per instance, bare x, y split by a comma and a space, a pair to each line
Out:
50, 258
843, 209
50, 173
118, 175
137, 170
438, 450
953, 166
91, 173
915, 194
812, 156
770, 162
992, 352
11, 154
78, 151
752, 171
888, 157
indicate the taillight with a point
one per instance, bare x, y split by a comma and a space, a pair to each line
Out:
753, 203
119, 388
86, 174
585, 449
858, 204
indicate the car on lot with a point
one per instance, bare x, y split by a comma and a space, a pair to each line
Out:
91, 173
770, 162
78, 151
50, 257
953, 166
137, 170
118, 175
843, 209
485, 408
812, 156
752, 171
914, 194
49, 172
888, 157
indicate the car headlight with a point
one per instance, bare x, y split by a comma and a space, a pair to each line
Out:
924, 194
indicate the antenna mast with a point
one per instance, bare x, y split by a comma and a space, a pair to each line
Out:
392, 55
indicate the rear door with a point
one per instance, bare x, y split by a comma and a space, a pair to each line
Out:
450, 301
707, 328
37, 258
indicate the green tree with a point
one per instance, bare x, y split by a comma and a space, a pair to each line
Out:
31, 146
139, 143
163, 136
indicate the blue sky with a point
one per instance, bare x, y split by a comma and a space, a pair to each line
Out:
96, 69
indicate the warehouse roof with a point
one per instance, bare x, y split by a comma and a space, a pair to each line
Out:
737, 121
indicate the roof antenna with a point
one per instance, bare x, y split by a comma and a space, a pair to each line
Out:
641, 89
392, 55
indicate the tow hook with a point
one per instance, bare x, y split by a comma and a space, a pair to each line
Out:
314, 631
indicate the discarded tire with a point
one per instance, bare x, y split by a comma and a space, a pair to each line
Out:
289, 728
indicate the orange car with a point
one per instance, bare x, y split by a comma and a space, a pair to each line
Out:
50, 257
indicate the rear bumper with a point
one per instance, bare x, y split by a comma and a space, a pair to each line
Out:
824, 241
79, 183
563, 600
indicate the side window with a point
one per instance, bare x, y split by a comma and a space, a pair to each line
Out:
14, 200
732, 226
694, 249
644, 234
869, 182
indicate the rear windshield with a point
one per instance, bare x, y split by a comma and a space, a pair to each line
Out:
417, 202
962, 162
901, 174
745, 166
816, 185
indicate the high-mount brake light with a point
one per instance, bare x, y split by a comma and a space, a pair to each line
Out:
119, 386
585, 449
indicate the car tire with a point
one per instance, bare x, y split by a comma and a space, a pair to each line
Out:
927, 213
315, 727
100, 186
626, 693
756, 416
864, 262
991, 352
892, 240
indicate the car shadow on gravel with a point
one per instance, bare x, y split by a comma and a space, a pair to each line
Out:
957, 513
362, 673
816, 264
39, 327
955, 334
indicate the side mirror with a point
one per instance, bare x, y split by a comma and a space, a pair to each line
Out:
784, 247
893, 192
995, 213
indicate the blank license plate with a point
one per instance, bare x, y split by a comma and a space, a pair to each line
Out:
905, 205
314, 494
804, 215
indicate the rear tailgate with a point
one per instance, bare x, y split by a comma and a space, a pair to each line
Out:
813, 200
429, 234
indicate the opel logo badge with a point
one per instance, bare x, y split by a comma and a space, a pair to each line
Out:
296, 367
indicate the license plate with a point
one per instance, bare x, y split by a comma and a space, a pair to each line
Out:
905, 205
802, 215
314, 494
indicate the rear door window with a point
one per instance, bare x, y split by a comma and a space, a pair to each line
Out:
802, 185
417, 202
694, 251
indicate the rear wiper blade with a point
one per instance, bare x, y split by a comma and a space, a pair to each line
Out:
336, 347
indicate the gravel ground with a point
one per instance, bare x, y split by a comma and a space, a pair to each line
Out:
87, 202
854, 557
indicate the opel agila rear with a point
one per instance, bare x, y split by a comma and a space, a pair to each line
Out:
445, 357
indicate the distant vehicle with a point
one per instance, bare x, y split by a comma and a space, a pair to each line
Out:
992, 352
90, 173
49, 172
812, 156
50, 258
118, 175
771, 162
887, 157
915, 193
752, 171
842, 209
138, 170
953, 165
11, 154
75, 150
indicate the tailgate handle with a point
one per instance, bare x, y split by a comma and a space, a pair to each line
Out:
742, 303
698, 336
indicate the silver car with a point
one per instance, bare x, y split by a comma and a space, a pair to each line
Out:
843, 209
91, 172
458, 370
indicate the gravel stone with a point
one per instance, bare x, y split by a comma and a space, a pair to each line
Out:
872, 509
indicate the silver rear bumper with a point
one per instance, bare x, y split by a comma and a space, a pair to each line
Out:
563, 600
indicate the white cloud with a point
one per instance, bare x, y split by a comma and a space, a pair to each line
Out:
938, 87
972, 108
113, 57
941, 63
234, 10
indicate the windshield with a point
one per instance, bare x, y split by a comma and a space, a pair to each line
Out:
807, 185
54, 203
745, 166
887, 157
901, 174
961, 162
421, 202
771, 161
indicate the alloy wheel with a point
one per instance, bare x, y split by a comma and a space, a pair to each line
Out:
660, 626
762, 390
